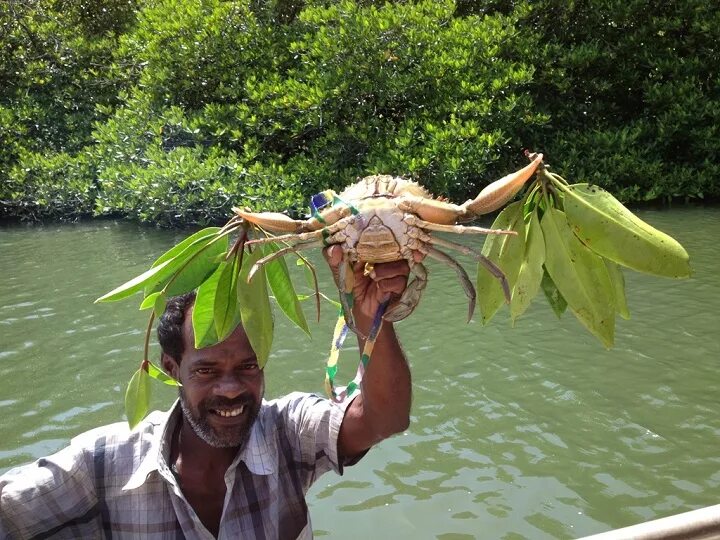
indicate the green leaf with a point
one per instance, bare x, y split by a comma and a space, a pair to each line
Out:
309, 276
176, 250
507, 252
225, 311
618, 281
160, 305
137, 283
608, 228
158, 275
555, 299
157, 301
149, 301
159, 375
203, 314
137, 397
580, 275
255, 311
187, 277
531, 270
282, 288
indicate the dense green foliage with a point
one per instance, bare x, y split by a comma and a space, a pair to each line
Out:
633, 91
172, 111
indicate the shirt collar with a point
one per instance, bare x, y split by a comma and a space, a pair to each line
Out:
259, 454
161, 427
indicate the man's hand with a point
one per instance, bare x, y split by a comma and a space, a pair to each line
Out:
386, 281
383, 407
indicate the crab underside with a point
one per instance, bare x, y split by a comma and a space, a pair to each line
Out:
382, 219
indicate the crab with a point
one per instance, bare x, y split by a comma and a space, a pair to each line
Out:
384, 218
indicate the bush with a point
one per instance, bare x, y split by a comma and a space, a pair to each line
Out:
55, 66
178, 109
341, 91
633, 91
57, 187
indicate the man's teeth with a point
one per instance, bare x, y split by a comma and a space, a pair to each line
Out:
231, 412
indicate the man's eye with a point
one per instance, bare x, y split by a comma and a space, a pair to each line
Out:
204, 371
249, 367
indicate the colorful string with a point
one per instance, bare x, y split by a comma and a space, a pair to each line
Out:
339, 394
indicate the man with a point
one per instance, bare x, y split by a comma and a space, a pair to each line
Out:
222, 463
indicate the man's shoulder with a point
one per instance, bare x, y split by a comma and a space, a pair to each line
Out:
119, 433
292, 402
300, 410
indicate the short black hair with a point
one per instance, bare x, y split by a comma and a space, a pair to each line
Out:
170, 327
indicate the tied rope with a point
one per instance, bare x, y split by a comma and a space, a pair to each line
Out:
340, 394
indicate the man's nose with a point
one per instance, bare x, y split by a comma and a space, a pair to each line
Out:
229, 386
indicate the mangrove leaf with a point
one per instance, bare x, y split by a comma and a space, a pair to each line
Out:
507, 252
136, 284
203, 314
554, 298
137, 397
282, 288
618, 282
225, 310
149, 301
255, 311
531, 269
608, 228
580, 275
159, 375
177, 249
192, 266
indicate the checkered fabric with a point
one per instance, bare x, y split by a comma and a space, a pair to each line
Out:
115, 483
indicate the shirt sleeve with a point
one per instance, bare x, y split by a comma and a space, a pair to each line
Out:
312, 424
54, 493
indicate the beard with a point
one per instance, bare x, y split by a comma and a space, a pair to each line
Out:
224, 437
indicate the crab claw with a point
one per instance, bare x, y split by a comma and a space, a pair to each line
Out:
432, 210
501, 191
273, 221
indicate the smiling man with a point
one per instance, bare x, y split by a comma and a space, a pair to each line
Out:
223, 462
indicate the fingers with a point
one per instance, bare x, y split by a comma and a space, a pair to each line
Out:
391, 277
390, 270
333, 256
392, 286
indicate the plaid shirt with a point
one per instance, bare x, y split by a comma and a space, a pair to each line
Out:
115, 483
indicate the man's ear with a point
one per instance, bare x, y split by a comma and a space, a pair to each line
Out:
170, 365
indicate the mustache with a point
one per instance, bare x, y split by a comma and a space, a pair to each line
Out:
221, 402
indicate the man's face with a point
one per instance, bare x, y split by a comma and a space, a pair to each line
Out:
222, 387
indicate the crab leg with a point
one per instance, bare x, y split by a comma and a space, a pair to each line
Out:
490, 266
273, 221
411, 295
457, 229
279, 253
462, 275
307, 236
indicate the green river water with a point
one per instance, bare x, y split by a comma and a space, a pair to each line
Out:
527, 432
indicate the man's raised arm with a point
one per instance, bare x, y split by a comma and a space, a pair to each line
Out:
383, 407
